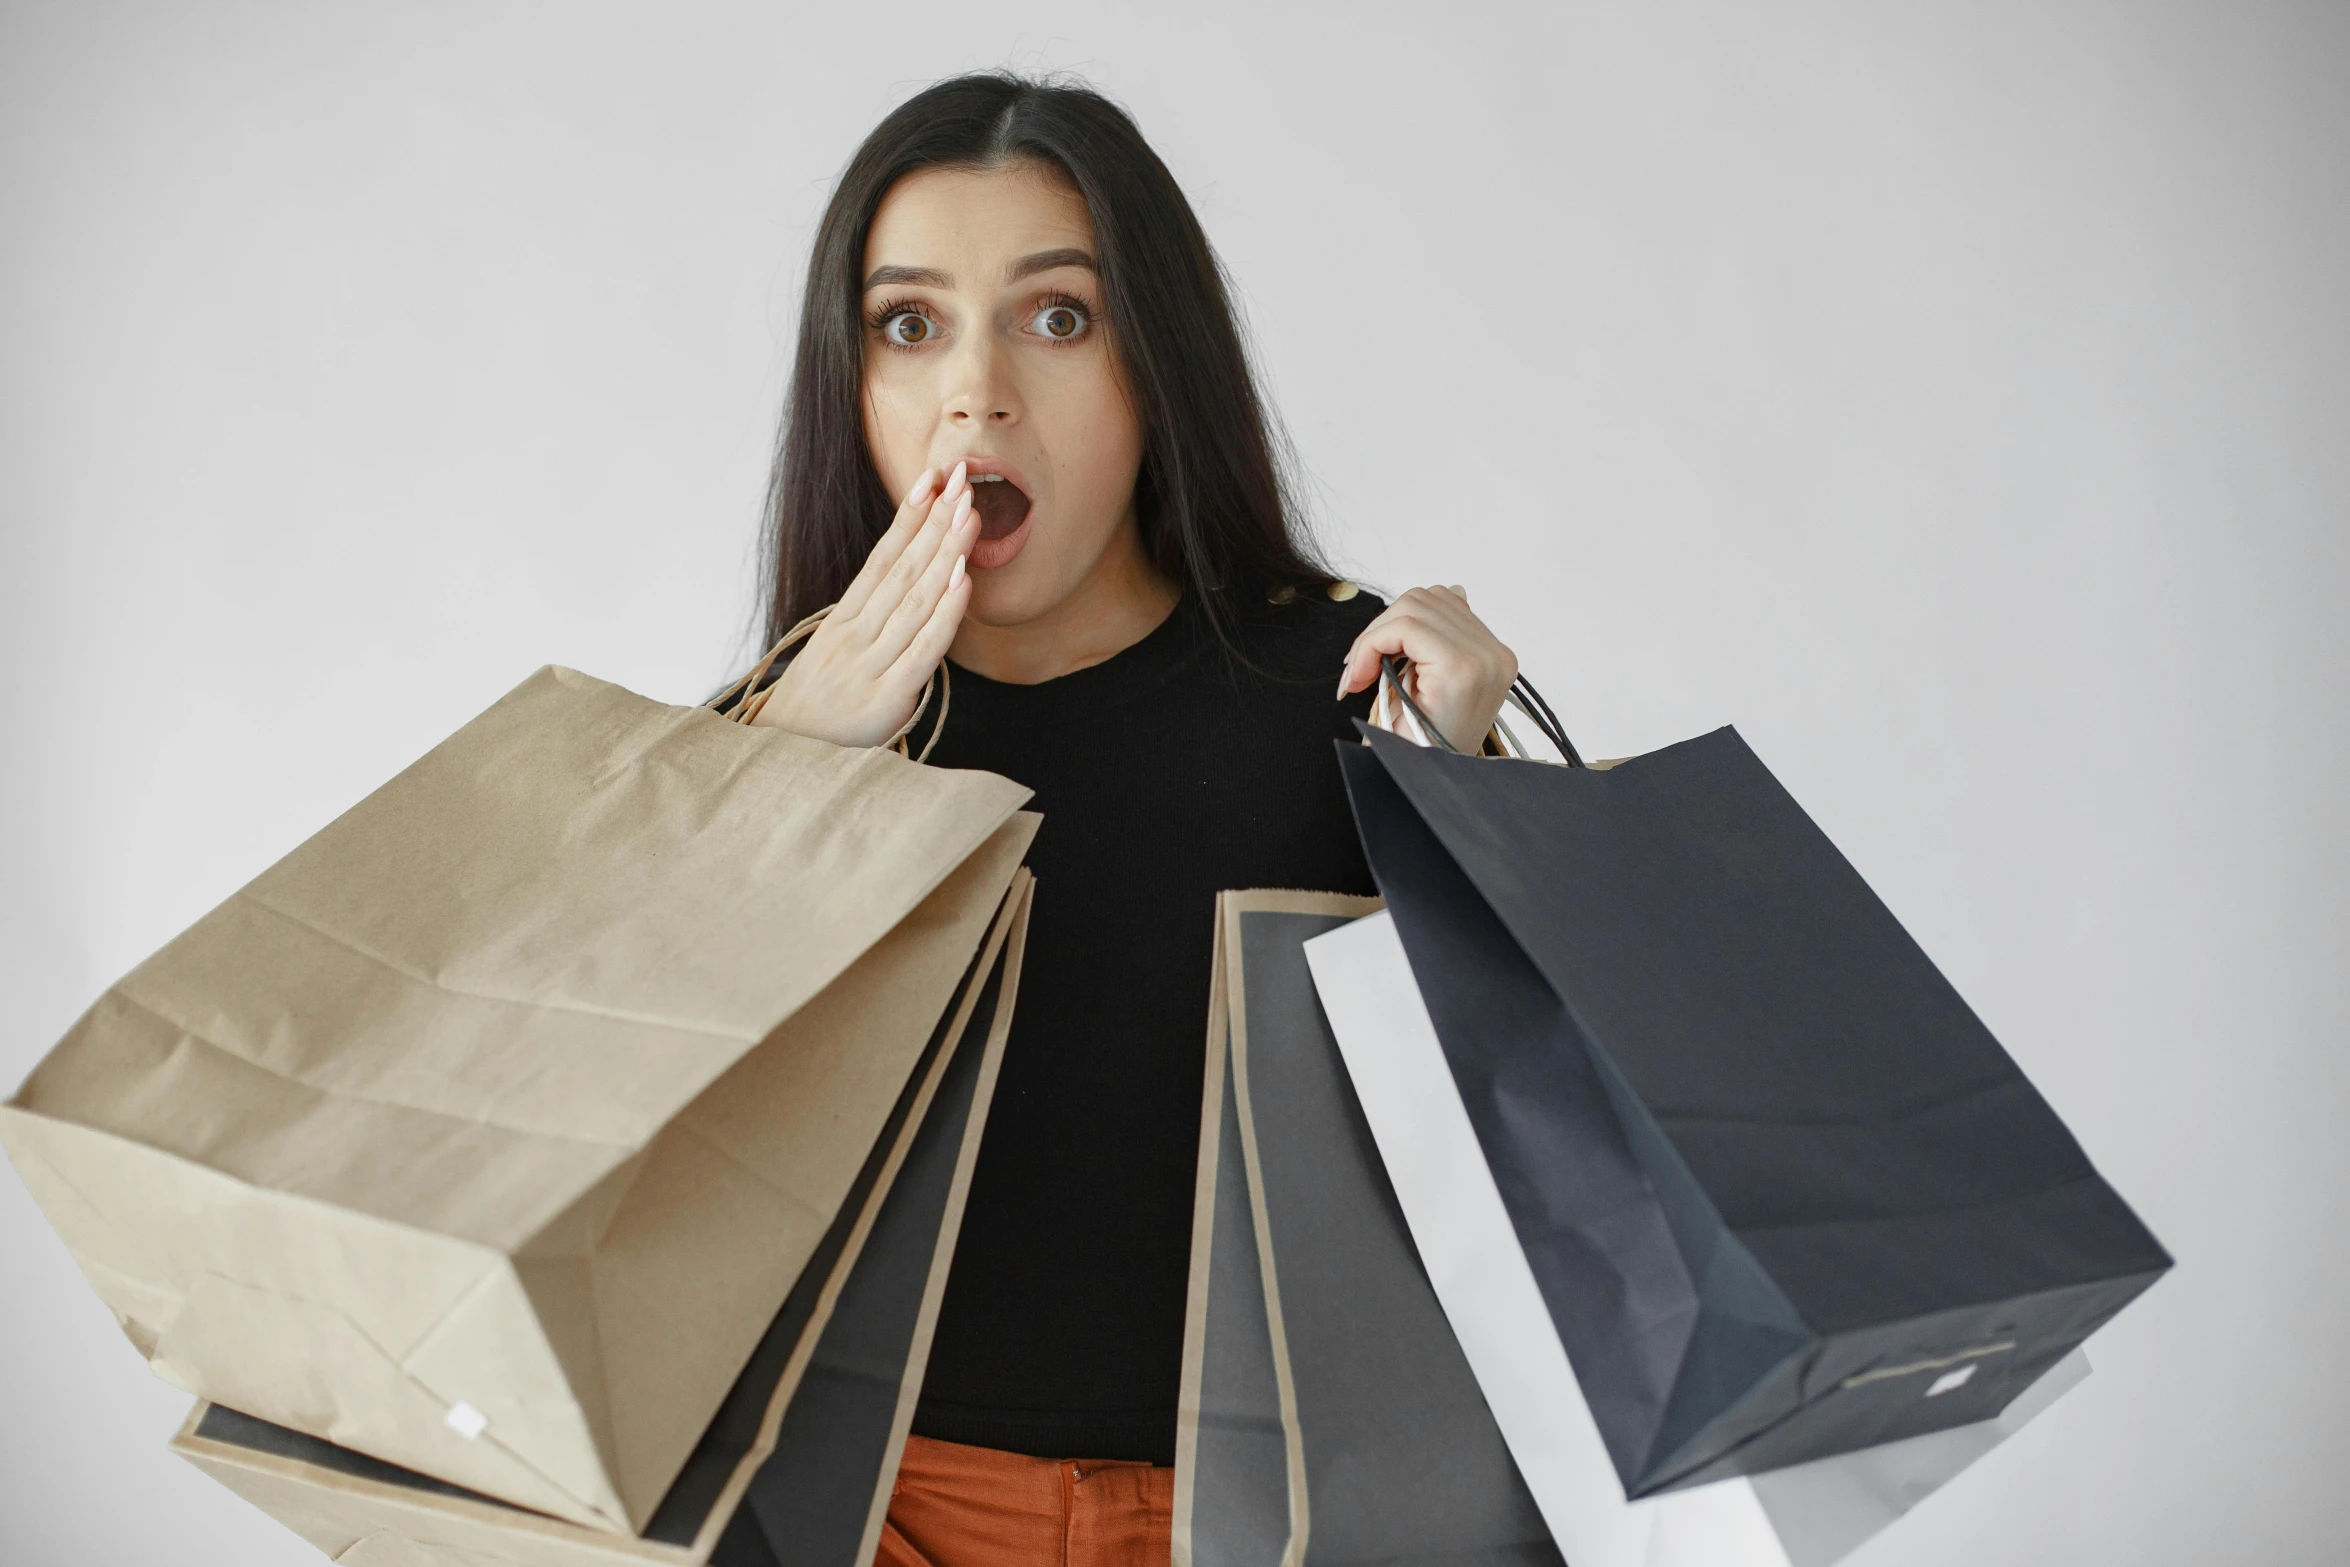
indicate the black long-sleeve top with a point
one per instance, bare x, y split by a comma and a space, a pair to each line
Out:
1165, 774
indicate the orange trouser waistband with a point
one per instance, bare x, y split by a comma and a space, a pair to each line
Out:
958, 1506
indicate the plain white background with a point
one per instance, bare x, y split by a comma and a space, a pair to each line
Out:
1955, 396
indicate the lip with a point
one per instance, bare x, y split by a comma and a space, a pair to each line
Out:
980, 462
988, 554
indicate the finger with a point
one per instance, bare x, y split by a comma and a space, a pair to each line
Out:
1379, 639
1451, 644
921, 553
1419, 627
1433, 680
902, 527
1442, 606
937, 634
1361, 664
929, 520
947, 565
1470, 637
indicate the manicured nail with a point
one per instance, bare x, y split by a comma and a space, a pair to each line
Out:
955, 485
1342, 682
955, 577
964, 512
922, 485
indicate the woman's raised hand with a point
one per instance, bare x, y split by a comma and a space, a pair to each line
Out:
859, 676
1460, 670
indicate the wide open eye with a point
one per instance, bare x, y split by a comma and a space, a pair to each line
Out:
1061, 322
909, 328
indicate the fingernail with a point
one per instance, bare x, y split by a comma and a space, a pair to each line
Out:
955, 577
1342, 682
955, 485
963, 512
929, 477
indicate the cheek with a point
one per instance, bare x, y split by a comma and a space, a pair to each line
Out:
898, 420
1098, 446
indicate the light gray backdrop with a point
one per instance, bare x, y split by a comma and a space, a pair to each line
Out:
1952, 395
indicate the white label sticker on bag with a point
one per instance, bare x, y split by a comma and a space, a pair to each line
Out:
467, 1421
1950, 1380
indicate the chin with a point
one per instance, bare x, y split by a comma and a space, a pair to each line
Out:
1001, 602
1016, 593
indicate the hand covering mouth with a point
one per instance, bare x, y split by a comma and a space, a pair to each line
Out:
1001, 504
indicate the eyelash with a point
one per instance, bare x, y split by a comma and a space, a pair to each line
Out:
879, 317
1061, 301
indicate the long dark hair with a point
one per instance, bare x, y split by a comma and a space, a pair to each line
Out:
1212, 496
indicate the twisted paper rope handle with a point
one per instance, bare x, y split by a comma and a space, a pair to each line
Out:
745, 700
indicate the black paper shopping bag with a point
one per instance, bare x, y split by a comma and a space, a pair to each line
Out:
1783, 1194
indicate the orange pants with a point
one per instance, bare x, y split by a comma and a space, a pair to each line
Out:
957, 1506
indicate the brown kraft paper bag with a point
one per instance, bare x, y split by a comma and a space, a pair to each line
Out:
799, 1463
484, 1133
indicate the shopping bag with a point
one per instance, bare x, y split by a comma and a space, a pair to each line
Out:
796, 1468
1782, 1194
1806, 1515
1327, 1415
485, 1132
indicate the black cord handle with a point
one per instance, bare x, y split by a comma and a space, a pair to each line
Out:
1528, 701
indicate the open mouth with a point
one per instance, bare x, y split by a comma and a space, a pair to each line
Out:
1001, 504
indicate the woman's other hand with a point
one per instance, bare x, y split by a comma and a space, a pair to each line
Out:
859, 676
1460, 670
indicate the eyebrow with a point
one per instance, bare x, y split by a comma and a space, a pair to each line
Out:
1046, 260
909, 277
1026, 266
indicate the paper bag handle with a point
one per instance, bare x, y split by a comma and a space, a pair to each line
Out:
745, 699
1393, 707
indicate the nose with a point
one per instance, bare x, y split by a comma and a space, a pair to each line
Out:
979, 390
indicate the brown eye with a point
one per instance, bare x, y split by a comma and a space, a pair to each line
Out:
908, 328
1061, 323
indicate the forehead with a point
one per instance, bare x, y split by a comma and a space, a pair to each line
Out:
969, 222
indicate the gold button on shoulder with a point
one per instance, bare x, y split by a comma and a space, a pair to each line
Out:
1342, 590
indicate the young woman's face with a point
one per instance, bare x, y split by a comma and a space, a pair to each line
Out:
986, 342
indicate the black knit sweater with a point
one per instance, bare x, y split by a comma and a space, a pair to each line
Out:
1165, 774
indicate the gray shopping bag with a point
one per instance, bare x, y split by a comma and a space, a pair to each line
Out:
1328, 1417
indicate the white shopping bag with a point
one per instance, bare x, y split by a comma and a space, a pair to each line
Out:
1810, 1515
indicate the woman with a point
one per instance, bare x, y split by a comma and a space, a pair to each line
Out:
1023, 438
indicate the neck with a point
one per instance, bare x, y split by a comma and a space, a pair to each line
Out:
1118, 603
